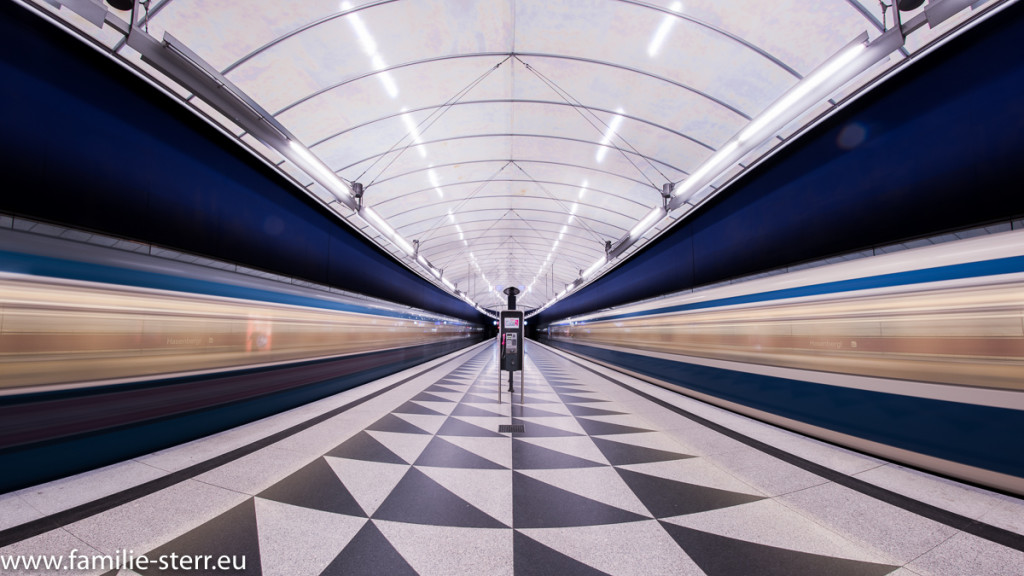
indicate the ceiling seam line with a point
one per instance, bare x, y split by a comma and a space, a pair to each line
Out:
594, 61
391, 68
288, 35
457, 248
309, 25
518, 101
589, 206
749, 45
618, 229
453, 261
565, 164
546, 136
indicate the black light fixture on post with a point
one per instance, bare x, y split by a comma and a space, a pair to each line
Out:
511, 292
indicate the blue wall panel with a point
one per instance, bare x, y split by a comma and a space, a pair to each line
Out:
88, 145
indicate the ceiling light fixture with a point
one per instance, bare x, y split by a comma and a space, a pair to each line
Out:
613, 126
374, 219
595, 266
435, 183
699, 177
647, 223
310, 164
662, 33
414, 132
836, 71
789, 101
369, 45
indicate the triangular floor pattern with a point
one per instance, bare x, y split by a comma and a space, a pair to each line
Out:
559, 498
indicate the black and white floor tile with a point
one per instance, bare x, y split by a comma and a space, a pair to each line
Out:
433, 488
588, 487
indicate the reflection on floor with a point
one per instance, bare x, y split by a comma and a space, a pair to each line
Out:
601, 481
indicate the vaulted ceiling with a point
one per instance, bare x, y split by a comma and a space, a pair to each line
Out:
528, 143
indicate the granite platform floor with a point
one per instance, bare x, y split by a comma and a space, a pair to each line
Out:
610, 475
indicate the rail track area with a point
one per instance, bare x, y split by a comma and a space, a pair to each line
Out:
610, 475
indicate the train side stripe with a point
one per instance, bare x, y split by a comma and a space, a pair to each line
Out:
1010, 265
74, 270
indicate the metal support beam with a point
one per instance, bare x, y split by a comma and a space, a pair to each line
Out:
185, 67
92, 10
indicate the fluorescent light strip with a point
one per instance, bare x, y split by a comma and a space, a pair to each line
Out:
435, 183
384, 228
315, 167
829, 76
595, 266
602, 151
647, 223
662, 33
369, 45
414, 132
801, 90
721, 156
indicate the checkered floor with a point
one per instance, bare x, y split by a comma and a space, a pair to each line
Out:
433, 487
594, 484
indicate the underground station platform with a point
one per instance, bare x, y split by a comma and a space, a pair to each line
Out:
580, 470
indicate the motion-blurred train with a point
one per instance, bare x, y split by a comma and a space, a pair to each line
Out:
916, 355
57, 330
106, 354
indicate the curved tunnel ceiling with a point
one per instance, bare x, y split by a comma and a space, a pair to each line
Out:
517, 143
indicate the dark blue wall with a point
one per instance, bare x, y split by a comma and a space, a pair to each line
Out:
88, 145
942, 149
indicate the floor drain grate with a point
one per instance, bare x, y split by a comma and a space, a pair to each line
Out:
512, 428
